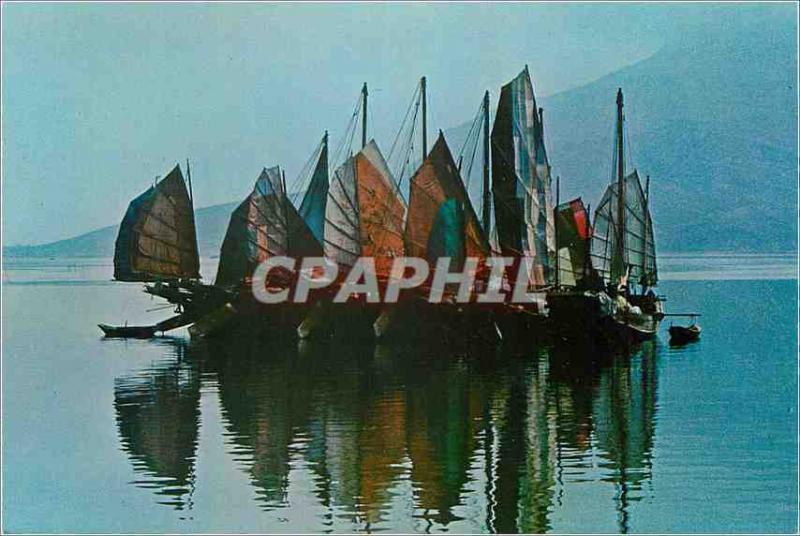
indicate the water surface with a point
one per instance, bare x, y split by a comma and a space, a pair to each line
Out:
258, 435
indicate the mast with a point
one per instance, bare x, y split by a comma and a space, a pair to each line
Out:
423, 84
487, 199
588, 258
364, 95
555, 229
284, 202
620, 184
189, 177
646, 230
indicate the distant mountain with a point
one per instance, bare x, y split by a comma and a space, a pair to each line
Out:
711, 119
211, 225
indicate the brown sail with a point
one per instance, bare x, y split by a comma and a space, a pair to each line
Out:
157, 238
264, 225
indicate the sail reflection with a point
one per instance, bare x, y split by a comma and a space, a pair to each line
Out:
485, 442
157, 412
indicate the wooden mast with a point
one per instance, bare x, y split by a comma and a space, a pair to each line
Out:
364, 95
620, 184
555, 218
423, 84
645, 277
487, 199
588, 258
189, 177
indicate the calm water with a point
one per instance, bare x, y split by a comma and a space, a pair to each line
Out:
171, 436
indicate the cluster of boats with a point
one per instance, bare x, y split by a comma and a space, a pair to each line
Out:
593, 278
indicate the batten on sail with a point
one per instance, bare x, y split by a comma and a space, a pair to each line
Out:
264, 225
441, 219
365, 213
157, 238
637, 257
521, 180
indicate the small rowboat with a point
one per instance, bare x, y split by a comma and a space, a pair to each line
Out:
128, 332
684, 334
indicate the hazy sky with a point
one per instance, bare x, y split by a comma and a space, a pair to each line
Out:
98, 99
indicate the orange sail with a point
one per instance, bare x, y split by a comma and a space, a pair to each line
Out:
365, 213
441, 220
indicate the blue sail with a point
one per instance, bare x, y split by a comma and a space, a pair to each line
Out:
312, 208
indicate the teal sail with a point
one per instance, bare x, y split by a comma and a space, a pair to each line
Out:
447, 238
312, 208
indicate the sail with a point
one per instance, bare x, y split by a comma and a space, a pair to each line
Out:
264, 225
572, 222
637, 256
365, 212
521, 180
441, 219
157, 238
312, 208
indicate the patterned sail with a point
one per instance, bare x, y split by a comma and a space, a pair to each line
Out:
638, 254
157, 238
264, 225
365, 212
312, 208
521, 180
441, 219
574, 233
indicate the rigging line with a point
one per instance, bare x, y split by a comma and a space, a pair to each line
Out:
472, 159
303, 179
398, 182
415, 97
474, 131
333, 163
409, 148
477, 119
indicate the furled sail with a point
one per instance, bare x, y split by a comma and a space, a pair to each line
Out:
521, 180
157, 238
572, 222
365, 213
312, 208
264, 225
441, 219
637, 257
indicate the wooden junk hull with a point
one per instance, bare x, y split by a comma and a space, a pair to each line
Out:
584, 317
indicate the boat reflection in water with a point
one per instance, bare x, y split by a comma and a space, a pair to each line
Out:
392, 436
158, 414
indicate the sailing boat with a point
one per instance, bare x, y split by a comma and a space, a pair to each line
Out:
266, 224
621, 257
441, 223
364, 214
157, 245
521, 189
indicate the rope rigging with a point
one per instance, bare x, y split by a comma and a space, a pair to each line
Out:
347, 138
404, 151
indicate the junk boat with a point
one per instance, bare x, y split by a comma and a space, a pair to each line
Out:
157, 245
612, 258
